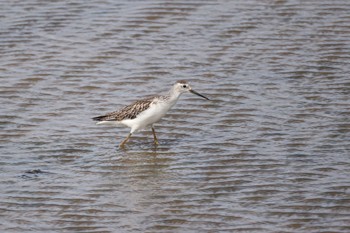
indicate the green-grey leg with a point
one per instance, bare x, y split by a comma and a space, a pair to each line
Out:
155, 137
122, 144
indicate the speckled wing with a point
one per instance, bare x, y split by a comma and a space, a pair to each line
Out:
128, 112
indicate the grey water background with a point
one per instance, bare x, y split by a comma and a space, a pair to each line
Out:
268, 153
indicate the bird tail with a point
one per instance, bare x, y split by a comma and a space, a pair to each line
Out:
99, 118
105, 120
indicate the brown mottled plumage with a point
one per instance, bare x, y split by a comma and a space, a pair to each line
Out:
128, 112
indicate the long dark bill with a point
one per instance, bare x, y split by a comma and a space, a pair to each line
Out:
196, 93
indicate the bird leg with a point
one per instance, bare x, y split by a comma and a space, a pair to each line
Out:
122, 144
155, 137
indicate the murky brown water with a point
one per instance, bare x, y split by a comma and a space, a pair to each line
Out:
269, 153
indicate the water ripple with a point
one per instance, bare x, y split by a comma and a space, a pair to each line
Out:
268, 153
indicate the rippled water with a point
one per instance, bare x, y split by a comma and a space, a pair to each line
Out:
268, 153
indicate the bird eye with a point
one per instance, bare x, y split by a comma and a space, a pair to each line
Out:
184, 86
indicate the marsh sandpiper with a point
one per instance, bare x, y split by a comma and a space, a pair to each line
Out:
144, 113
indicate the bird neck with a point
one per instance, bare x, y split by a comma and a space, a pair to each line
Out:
174, 95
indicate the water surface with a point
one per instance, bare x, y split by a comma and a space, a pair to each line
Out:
268, 153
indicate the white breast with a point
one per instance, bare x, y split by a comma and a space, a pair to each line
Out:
148, 117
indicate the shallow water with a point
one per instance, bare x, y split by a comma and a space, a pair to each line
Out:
268, 153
